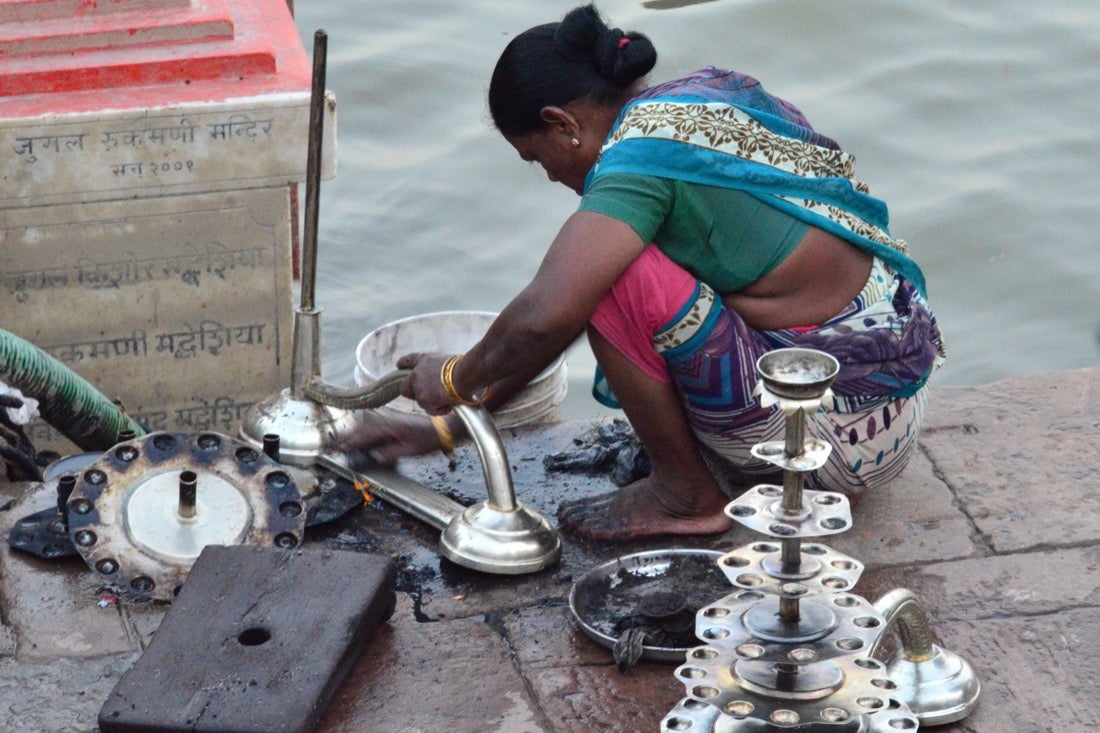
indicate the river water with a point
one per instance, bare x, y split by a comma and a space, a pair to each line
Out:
976, 121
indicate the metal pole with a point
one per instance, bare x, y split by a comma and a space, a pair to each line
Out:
313, 169
189, 482
271, 446
793, 445
65, 486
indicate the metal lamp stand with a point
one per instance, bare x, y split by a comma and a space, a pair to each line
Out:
792, 648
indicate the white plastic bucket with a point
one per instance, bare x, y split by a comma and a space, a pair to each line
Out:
455, 332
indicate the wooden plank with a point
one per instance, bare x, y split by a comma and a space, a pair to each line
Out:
257, 641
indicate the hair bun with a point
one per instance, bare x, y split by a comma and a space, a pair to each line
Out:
553, 64
608, 52
579, 32
583, 36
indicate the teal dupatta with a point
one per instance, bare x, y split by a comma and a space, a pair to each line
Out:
720, 128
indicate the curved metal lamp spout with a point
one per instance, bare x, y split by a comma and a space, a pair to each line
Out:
498, 535
901, 608
938, 686
494, 462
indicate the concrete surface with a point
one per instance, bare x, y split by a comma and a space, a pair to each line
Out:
995, 525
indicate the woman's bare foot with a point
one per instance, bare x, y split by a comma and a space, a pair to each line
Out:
645, 509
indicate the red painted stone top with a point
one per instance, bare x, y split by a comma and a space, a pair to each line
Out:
63, 56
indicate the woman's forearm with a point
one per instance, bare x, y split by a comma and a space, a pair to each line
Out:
588, 255
511, 354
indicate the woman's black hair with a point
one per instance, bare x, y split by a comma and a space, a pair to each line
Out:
556, 63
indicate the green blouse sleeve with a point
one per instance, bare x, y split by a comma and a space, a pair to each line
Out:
725, 237
643, 202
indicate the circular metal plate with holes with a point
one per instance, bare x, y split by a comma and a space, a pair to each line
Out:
814, 455
761, 509
745, 625
720, 699
759, 566
141, 514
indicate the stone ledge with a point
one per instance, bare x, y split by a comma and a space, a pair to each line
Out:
504, 655
1021, 457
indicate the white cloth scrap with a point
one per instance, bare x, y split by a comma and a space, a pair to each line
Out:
24, 415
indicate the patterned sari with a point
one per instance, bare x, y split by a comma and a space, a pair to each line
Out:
720, 128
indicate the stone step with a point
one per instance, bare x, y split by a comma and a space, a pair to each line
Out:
229, 61
15, 11
157, 49
201, 20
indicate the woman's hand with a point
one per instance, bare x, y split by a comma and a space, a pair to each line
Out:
425, 384
382, 439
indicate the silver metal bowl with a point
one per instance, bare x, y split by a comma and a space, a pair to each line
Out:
797, 374
626, 585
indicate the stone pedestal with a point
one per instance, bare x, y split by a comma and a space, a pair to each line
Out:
149, 151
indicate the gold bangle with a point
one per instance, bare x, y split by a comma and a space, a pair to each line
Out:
446, 437
446, 376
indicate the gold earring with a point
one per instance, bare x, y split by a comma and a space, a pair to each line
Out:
575, 142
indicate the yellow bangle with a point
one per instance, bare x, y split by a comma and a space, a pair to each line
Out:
446, 437
446, 376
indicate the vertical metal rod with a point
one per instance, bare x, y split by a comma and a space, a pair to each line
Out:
791, 548
790, 553
789, 609
65, 485
313, 170
793, 446
271, 446
189, 482
786, 675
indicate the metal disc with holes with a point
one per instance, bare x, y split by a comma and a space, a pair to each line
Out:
141, 514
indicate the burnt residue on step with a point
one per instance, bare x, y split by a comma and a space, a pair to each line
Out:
611, 448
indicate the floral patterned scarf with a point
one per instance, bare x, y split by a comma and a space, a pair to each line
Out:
720, 128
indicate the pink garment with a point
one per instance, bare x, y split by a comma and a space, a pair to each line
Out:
677, 331
634, 309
